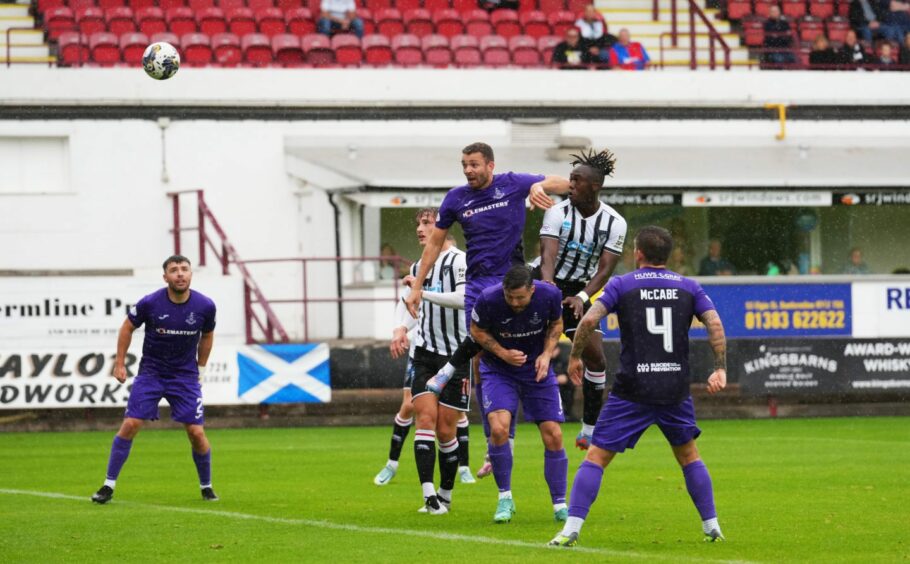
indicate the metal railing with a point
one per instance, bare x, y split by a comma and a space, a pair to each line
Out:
9, 45
267, 322
712, 33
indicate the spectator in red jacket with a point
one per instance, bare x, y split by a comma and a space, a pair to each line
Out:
628, 54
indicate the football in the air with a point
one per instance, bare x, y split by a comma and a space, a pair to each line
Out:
160, 60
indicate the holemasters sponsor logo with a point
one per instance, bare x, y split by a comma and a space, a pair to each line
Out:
163, 331
469, 213
521, 335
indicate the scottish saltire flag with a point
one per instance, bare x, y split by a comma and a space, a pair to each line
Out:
284, 374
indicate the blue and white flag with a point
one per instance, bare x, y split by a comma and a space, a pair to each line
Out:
284, 374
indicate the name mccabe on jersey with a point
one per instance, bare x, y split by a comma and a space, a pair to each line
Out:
659, 294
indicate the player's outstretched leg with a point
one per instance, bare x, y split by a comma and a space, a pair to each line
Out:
698, 483
202, 458
462, 433
399, 434
120, 451
425, 457
585, 488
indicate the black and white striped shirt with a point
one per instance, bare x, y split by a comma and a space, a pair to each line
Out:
441, 329
582, 240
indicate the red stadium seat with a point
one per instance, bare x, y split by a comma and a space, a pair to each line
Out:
72, 49
376, 5
366, 17
406, 5
524, 51
763, 7
137, 5
837, 29
240, 21
259, 4
120, 20
57, 20
180, 21
822, 9
560, 22
257, 49
151, 20
738, 9
495, 51
299, 21
76, 5
166, 37
286, 50
406, 50
226, 48
464, 6
448, 22
466, 50
436, 50
314, 6
794, 9
418, 22
534, 24
197, 50
270, 21
810, 28
105, 48
286, 5
435, 5
550, 6
228, 4
545, 46
347, 49
754, 32
211, 20
318, 50
165, 4
505, 23
843, 8
389, 22
132, 46
477, 23
106, 4
377, 50
45, 5
90, 20
197, 5
577, 6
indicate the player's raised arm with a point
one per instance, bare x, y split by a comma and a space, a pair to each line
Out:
605, 268
124, 338
551, 184
718, 340
428, 258
589, 323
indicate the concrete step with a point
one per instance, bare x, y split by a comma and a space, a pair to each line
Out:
662, 15
23, 37
15, 21
655, 28
703, 64
27, 51
646, 39
671, 53
48, 61
13, 10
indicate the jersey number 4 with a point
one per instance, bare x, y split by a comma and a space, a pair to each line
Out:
665, 329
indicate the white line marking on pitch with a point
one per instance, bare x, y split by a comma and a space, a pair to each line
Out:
373, 530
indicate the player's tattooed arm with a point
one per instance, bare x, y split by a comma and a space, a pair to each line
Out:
588, 325
483, 338
553, 333
718, 340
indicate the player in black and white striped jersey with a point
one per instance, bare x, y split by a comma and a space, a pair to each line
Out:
581, 241
439, 330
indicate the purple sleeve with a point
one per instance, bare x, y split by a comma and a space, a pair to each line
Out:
479, 314
610, 296
523, 181
447, 216
209, 325
138, 314
556, 306
702, 302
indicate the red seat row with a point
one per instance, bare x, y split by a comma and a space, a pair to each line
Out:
805, 29
316, 50
740, 9
545, 6
300, 21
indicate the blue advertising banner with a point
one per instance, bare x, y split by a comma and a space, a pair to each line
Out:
774, 310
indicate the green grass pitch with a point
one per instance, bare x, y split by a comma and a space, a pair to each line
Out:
824, 490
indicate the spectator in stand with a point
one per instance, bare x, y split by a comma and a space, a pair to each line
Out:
886, 55
866, 17
857, 265
823, 56
897, 15
490, 5
778, 39
573, 51
852, 52
627, 54
593, 29
905, 51
339, 16
678, 262
714, 264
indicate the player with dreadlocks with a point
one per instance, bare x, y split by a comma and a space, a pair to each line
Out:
581, 241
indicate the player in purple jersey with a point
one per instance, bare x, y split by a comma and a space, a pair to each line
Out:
518, 322
179, 332
655, 308
491, 211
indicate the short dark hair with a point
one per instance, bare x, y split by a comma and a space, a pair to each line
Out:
431, 211
519, 276
481, 148
655, 243
602, 163
175, 258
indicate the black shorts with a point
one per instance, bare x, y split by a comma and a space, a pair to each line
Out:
569, 289
456, 394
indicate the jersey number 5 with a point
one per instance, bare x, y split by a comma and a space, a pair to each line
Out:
665, 329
